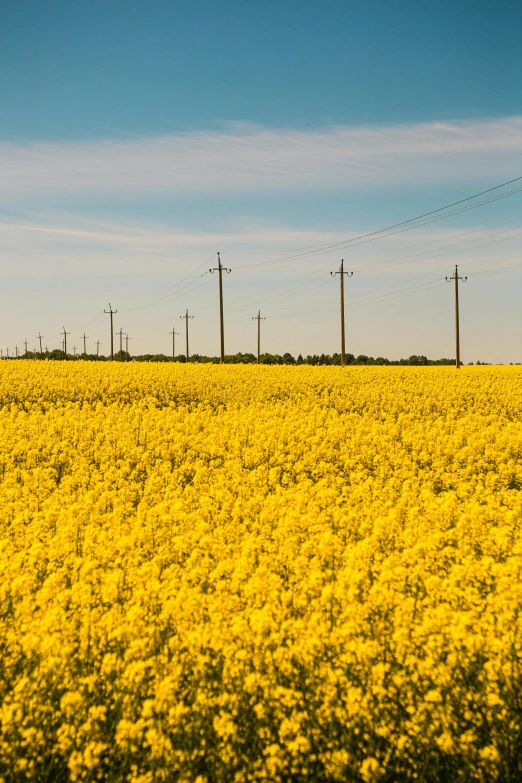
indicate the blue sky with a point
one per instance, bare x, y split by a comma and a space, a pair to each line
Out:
139, 138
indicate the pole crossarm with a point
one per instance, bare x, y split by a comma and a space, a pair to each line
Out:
220, 269
341, 274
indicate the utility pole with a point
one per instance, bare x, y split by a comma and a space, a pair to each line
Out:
341, 274
8, 353
25, 342
186, 317
258, 319
65, 341
40, 337
16, 352
127, 338
220, 269
85, 338
74, 351
121, 341
174, 333
98, 348
456, 278
111, 312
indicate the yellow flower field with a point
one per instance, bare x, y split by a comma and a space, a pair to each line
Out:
241, 573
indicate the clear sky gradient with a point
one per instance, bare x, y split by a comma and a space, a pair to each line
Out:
137, 139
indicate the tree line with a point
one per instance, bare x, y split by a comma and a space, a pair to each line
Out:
243, 358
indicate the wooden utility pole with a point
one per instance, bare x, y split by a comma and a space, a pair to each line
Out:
85, 338
65, 341
173, 333
98, 348
186, 317
127, 338
121, 341
40, 337
341, 274
456, 278
25, 343
111, 312
258, 319
220, 269
16, 352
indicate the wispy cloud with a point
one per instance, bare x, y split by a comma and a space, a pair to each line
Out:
244, 158
73, 245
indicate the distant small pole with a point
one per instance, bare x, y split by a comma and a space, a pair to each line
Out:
98, 348
40, 337
341, 274
456, 278
74, 351
121, 340
258, 319
16, 352
187, 317
111, 312
8, 353
25, 343
220, 269
65, 341
85, 338
174, 333
127, 338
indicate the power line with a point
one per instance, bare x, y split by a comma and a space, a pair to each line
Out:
373, 236
396, 225
393, 262
161, 294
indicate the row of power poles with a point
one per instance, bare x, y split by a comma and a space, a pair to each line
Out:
455, 277
220, 269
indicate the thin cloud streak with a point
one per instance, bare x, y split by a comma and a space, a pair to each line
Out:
70, 246
249, 159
